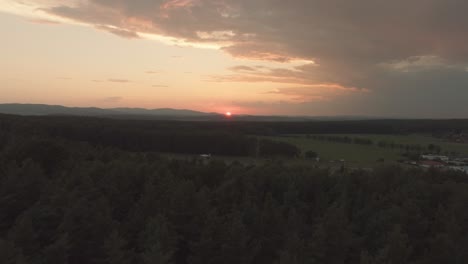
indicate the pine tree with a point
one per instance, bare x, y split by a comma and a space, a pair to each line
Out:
57, 253
21, 259
158, 241
268, 230
24, 236
399, 249
332, 240
366, 258
287, 258
115, 247
8, 252
21, 188
294, 250
207, 248
155, 254
236, 246
88, 224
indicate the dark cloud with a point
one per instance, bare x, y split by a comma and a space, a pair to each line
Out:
394, 48
303, 28
368, 30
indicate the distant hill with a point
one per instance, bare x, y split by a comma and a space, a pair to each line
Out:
161, 111
156, 114
40, 109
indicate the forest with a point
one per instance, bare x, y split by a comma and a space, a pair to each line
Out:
79, 190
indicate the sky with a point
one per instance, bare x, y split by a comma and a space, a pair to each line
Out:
375, 58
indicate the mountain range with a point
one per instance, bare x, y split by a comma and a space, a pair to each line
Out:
152, 114
42, 109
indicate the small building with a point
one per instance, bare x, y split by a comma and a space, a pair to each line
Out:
461, 160
457, 163
204, 158
431, 164
459, 168
435, 157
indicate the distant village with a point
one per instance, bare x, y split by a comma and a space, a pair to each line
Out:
441, 162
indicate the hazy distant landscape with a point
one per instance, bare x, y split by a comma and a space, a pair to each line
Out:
233, 132
38, 109
371, 153
86, 189
160, 113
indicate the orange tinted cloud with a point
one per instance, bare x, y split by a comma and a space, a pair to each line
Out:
411, 49
177, 4
118, 80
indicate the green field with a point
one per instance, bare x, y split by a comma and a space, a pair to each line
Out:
354, 154
366, 155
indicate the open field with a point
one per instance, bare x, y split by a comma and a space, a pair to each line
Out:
354, 154
417, 139
366, 155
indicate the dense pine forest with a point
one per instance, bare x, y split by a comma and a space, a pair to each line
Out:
88, 190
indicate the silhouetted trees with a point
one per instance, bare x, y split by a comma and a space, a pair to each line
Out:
100, 203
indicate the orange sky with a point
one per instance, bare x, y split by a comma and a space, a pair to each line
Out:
246, 57
73, 64
80, 66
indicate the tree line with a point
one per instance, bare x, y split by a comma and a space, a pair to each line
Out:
134, 135
437, 128
407, 149
68, 201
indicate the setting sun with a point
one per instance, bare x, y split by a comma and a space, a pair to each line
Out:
228, 114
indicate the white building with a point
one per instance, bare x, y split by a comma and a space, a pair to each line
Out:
435, 157
460, 168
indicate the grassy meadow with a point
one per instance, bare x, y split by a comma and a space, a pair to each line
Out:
366, 155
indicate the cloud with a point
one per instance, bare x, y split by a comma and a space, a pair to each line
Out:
387, 47
307, 75
421, 63
369, 30
119, 32
243, 68
314, 93
118, 80
153, 72
43, 21
160, 86
281, 31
